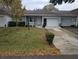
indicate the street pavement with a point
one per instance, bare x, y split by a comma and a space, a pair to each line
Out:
42, 57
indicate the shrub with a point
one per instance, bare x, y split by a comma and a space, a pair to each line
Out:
72, 25
50, 37
62, 26
28, 25
44, 25
11, 24
21, 23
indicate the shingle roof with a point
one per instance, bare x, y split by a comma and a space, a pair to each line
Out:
3, 10
67, 13
44, 13
75, 11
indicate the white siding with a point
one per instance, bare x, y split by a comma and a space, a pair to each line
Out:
24, 19
38, 21
75, 21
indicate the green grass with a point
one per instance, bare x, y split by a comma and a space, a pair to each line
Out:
22, 39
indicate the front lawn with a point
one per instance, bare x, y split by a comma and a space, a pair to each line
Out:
21, 41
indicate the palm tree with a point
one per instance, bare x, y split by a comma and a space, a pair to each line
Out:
55, 2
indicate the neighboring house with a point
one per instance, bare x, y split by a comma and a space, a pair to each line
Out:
37, 18
4, 17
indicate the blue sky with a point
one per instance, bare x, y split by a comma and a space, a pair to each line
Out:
39, 4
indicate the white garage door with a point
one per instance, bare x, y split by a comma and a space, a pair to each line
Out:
2, 21
52, 22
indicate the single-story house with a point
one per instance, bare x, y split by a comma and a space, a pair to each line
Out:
39, 17
52, 19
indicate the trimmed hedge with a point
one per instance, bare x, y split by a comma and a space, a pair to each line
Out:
50, 37
74, 26
21, 23
13, 24
44, 25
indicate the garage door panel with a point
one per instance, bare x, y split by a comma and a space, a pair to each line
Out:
66, 22
52, 22
2, 22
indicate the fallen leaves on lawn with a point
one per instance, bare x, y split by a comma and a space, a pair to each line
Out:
36, 52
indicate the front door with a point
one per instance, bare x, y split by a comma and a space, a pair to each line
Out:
45, 22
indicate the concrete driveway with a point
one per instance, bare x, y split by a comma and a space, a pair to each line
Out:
65, 41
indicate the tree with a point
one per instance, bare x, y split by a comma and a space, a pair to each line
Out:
50, 8
55, 2
16, 10
6, 3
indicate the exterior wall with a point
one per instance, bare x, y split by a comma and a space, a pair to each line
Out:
7, 18
68, 21
36, 20
63, 21
75, 21
24, 19
4, 20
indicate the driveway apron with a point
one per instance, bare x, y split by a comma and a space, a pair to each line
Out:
64, 41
